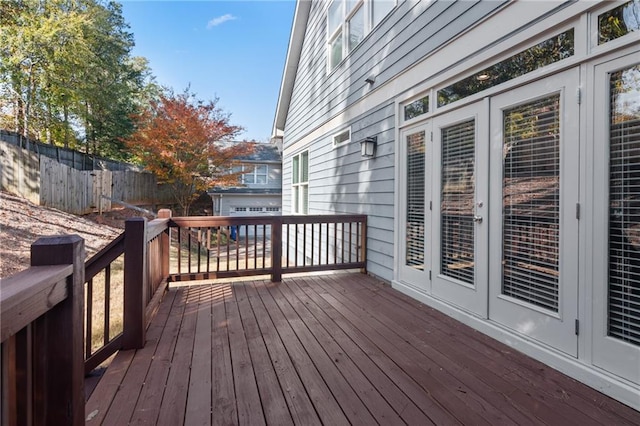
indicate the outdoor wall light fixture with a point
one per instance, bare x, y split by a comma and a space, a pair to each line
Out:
368, 147
370, 80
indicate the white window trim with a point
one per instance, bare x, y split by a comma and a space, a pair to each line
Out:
299, 208
343, 28
337, 144
253, 172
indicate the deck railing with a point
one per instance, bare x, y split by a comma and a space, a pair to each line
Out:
51, 337
210, 247
42, 374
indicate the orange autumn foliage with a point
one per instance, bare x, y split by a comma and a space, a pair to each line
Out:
178, 138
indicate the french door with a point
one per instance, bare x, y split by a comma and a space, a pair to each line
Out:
460, 197
489, 207
616, 218
415, 219
534, 197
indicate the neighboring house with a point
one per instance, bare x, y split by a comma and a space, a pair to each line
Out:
260, 188
505, 190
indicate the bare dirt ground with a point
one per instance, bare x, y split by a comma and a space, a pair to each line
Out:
22, 223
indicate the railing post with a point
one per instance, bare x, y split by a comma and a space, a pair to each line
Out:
363, 244
276, 249
135, 282
165, 240
58, 389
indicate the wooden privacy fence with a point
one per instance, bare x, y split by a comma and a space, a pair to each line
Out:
45, 181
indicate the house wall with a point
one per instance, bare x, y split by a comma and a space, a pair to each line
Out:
426, 45
339, 180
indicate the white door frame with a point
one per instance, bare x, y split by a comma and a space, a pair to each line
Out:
555, 329
469, 297
419, 279
609, 353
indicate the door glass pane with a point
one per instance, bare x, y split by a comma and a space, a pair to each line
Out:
531, 203
624, 206
457, 202
415, 200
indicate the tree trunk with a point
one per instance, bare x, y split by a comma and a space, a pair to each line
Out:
66, 125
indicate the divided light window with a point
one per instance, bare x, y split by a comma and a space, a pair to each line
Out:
348, 22
300, 183
258, 174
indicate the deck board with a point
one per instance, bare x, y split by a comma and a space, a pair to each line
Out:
332, 349
552, 396
391, 392
300, 407
223, 395
198, 411
274, 404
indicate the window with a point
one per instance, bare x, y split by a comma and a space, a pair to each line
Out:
416, 108
457, 202
416, 149
261, 174
342, 137
348, 22
300, 183
624, 206
542, 54
531, 203
619, 21
252, 174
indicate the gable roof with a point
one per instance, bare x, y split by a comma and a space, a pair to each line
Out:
298, 29
262, 153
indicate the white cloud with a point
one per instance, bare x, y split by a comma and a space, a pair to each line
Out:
220, 20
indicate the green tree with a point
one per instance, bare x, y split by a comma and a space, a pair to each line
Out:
67, 75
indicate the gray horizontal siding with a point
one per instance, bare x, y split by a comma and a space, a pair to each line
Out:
411, 32
342, 181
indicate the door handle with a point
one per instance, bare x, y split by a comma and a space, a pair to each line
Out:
477, 219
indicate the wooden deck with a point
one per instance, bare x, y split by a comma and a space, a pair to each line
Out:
334, 349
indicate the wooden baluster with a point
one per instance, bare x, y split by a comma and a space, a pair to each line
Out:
107, 303
165, 242
276, 249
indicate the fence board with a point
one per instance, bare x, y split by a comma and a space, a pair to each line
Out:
45, 181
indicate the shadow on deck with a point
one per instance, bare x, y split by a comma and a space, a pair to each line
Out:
331, 349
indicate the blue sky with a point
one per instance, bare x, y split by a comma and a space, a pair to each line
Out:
234, 50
